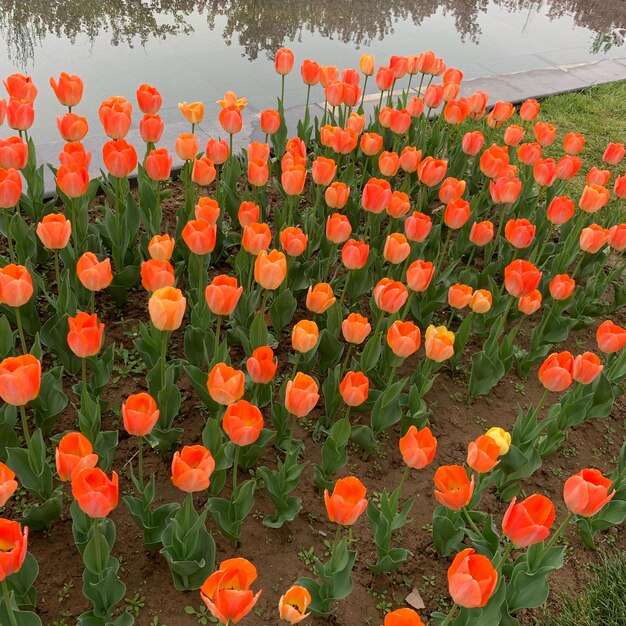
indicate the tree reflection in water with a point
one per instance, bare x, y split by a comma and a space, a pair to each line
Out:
262, 26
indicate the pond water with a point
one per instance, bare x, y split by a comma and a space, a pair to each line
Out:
197, 49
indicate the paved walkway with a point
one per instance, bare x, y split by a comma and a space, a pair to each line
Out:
516, 87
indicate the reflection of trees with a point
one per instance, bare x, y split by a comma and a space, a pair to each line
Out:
264, 25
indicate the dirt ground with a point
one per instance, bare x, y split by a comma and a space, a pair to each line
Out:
281, 555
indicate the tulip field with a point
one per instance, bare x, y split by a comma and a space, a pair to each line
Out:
368, 371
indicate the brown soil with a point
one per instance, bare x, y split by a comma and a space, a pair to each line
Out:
276, 552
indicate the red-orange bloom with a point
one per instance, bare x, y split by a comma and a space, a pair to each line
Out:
16, 285
120, 157
151, 128
72, 127
14, 543
371, 143
594, 198
617, 237
10, 188
354, 388
593, 238
453, 488
355, 328
223, 294
521, 277
614, 153
293, 240
54, 231
529, 110
217, 150
320, 298
456, 214
482, 454
167, 308
481, 233
301, 395
562, 287
140, 414
85, 334
207, 209
293, 604
338, 228
376, 195
354, 254
262, 365
403, 617
505, 190
200, 236
73, 454
530, 303
192, 468
587, 492
471, 579
336, 196
494, 161
419, 275
225, 384
431, 171
13, 153
451, 189
93, 274
459, 295
256, 237
149, 99
161, 247
587, 367
73, 180
472, 143
529, 522
20, 114
270, 269
8, 484
347, 502
610, 337
230, 119
556, 371
242, 422
417, 226
269, 121
418, 447
227, 592
396, 249
156, 274
20, 379
21, 87
96, 494
544, 171
304, 336
390, 295
561, 210
519, 232
114, 114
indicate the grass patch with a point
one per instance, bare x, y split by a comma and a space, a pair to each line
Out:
602, 602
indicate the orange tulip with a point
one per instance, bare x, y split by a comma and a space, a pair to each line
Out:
481, 301
96, 494
587, 492
521, 277
390, 295
451, 189
323, 171
367, 64
494, 161
459, 295
270, 269
304, 336
207, 209
16, 285
186, 146
301, 395
227, 592
587, 367
617, 237
376, 195
248, 213
293, 240
419, 275
72, 127
20, 114
256, 238
242, 422
610, 337
114, 114
614, 153
292, 179
161, 247
561, 210
355, 123
20, 379
456, 214
151, 128
505, 190
347, 502
93, 274
471, 579
10, 188
513, 135
596, 176
270, 121
21, 87
519, 232
73, 180
149, 99
410, 158
192, 112
336, 196
200, 236
567, 167
397, 248
192, 468
593, 238
167, 308
544, 171
225, 384
68, 89
54, 231
529, 153
403, 617
14, 543
556, 371
529, 110
8, 484
159, 164
481, 233
399, 204
354, 254
403, 338
530, 303
354, 388
417, 226
13, 153
355, 328
482, 454
418, 447
562, 287
371, 143
156, 274
384, 78
338, 228
258, 173
439, 343
223, 294
217, 150
431, 171
594, 198
433, 96
140, 414
262, 365
472, 143
85, 335
545, 133
74, 154
530, 521
320, 298
283, 64
230, 119
293, 604
453, 488
310, 72
120, 157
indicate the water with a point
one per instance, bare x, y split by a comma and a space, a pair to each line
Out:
198, 49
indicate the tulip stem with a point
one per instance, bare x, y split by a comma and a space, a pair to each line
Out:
25, 425
217, 337
541, 403
345, 288
292, 430
363, 92
7, 603
282, 93
470, 521
450, 615
407, 306
57, 271
337, 538
235, 464
163, 356
505, 556
96, 532
140, 462
92, 304
398, 493
83, 367
346, 361
558, 532
20, 329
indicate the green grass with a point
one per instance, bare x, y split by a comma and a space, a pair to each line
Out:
603, 601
